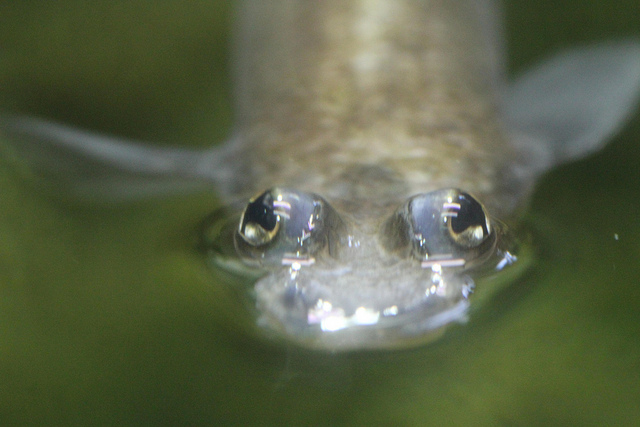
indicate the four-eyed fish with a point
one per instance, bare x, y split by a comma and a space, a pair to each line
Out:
376, 145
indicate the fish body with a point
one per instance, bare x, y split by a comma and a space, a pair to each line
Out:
402, 93
378, 145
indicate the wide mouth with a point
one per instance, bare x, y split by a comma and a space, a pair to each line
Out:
348, 308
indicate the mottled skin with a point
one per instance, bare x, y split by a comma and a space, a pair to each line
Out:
404, 90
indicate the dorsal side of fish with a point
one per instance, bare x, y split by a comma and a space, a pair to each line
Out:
402, 93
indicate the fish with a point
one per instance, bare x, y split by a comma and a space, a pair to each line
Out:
379, 150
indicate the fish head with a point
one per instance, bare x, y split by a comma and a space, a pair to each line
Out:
373, 277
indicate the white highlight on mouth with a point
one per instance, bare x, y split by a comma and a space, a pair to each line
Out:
331, 319
442, 262
390, 311
297, 262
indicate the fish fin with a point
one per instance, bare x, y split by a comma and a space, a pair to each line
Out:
573, 103
98, 167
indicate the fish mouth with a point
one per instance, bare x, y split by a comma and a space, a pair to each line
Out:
348, 308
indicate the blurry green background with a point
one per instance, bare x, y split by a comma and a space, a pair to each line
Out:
108, 314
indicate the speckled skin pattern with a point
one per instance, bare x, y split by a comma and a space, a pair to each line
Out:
371, 101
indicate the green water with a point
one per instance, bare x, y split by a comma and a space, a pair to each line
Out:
109, 316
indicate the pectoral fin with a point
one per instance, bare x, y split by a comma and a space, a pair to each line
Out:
102, 167
570, 105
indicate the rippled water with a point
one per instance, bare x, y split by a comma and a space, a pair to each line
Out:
108, 313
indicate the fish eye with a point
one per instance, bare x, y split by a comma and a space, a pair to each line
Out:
282, 224
443, 224
260, 221
467, 220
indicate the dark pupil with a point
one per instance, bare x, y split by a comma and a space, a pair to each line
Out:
470, 214
260, 212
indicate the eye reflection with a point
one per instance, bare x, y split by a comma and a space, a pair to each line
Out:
260, 222
447, 225
282, 224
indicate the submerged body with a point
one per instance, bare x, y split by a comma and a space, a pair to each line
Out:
378, 142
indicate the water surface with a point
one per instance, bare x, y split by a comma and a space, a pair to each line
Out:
109, 315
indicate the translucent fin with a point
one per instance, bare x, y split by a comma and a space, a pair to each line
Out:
97, 166
571, 104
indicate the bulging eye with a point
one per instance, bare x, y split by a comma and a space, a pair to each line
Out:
467, 220
283, 224
445, 224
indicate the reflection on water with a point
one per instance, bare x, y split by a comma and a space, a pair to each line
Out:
110, 314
